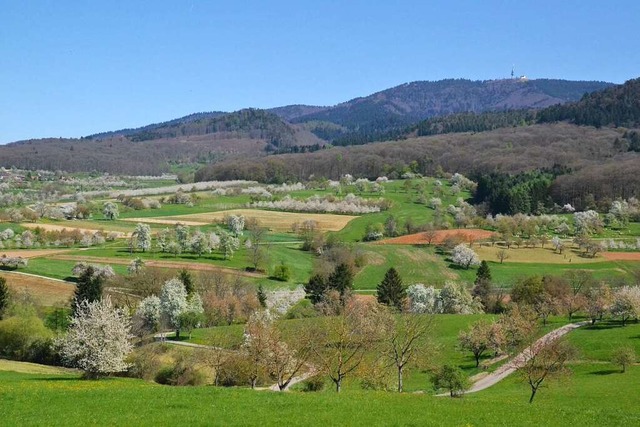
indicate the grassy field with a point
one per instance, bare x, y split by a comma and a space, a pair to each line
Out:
589, 397
44, 291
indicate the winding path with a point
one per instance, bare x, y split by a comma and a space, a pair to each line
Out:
519, 360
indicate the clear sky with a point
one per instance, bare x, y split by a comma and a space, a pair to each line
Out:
72, 68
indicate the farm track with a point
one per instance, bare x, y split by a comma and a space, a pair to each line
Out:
519, 360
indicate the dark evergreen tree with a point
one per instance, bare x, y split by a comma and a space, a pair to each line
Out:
187, 279
4, 295
316, 288
262, 297
341, 279
88, 288
483, 273
391, 291
482, 288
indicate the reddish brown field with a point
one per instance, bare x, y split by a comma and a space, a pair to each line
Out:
621, 256
466, 235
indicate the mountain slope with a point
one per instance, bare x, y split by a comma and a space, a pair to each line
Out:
615, 106
411, 102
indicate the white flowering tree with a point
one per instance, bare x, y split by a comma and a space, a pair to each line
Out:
110, 211
149, 313
173, 302
98, 340
454, 298
236, 224
142, 234
135, 266
464, 256
626, 303
228, 244
422, 299
200, 243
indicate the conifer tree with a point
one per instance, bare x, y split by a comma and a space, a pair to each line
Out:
341, 279
391, 291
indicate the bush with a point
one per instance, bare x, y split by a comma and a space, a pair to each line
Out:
316, 383
282, 273
25, 338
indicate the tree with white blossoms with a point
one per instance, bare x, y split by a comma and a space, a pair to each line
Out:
142, 234
454, 298
135, 266
149, 313
173, 302
236, 224
626, 303
200, 243
422, 299
464, 256
228, 244
182, 236
110, 211
587, 222
98, 339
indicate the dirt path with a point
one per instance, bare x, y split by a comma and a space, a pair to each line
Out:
621, 256
518, 361
32, 253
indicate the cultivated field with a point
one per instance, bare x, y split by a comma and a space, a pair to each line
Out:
535, 255
465, 235
274, 220
47, 292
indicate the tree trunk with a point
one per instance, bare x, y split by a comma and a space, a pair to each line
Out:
400, 379
254, 380
338, 384
177, 334
533, 394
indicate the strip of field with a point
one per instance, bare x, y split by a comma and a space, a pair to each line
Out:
56, 227
533, 255
33, 253
32, 368
275, 220
166, 220
466, 235
45, 291
174, 265
621, 256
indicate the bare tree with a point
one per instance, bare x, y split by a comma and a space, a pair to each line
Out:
546, 361
404, 341
343, 341
502, 254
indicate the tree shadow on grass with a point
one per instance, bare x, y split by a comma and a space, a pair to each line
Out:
54, 379
605, 372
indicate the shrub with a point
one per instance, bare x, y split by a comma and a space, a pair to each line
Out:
25, 338
315, 383
282, 272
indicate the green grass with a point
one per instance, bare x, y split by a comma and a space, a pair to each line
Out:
597, 342
586, 399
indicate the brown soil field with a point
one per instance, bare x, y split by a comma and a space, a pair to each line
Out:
32, 253
534, 255
275, 220
45, 291
177, 265
621, 256
466, 234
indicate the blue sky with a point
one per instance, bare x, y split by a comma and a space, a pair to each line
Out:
72, 68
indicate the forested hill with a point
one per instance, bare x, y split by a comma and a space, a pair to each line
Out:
615, 106
251, 123
152, 127
411, 102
